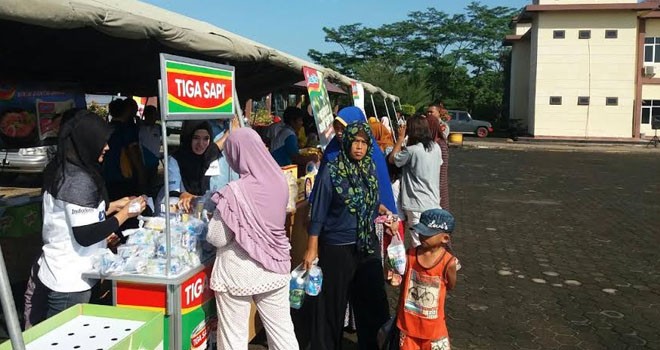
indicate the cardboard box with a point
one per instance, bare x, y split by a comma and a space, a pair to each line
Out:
21, 220
99, 325
291, 175
305, 186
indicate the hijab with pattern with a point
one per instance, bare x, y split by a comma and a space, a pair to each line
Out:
357, 184
81, 140
352, 114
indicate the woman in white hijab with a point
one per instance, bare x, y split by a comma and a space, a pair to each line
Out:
386, 122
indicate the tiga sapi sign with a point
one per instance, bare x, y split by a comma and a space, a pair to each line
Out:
194, 89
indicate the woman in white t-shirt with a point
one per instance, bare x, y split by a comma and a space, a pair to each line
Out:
76, 216
420, 161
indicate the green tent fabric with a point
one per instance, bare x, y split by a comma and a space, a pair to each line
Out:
112, 46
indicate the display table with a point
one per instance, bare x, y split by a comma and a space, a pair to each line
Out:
186, 299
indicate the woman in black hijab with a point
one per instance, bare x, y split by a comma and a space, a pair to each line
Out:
191, 167
76, 212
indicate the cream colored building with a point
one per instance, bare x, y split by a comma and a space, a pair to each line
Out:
579, 68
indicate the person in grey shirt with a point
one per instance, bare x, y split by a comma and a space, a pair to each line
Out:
420, 161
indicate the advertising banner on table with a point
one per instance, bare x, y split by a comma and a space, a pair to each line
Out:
357, 91
194, 89
198, 317
318, 97
30, 114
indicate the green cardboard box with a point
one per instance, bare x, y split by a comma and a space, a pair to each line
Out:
21, 220
111, 322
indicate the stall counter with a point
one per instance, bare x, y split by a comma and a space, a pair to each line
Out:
186, 299
297, 223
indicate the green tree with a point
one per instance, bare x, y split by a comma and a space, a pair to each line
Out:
430, 56
410, 86
101, 110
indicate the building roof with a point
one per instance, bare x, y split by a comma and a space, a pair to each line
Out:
526, 14
510, 39
647, 5
114, 45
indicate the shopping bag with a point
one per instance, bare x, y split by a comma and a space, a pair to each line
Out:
396, 254
388, 335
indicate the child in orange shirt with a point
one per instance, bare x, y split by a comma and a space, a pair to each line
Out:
430, 272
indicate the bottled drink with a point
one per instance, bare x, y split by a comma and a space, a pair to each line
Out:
314, 281
296, 290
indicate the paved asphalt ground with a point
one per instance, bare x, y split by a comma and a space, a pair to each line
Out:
559, 247
560, 250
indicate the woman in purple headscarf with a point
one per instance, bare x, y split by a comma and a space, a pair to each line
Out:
252, 262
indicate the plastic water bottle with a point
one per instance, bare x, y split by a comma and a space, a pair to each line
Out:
296, 290
314, 281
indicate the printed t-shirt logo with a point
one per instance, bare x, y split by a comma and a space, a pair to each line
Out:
422, 296
82, 211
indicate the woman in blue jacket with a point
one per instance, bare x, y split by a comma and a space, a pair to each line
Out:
342, 234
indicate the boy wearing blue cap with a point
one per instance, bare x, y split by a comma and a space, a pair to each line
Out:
430, 272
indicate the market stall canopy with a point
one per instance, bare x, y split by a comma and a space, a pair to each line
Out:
113, 46
328, 85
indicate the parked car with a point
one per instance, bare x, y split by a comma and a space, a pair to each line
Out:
173, 133
30, 160
24, 154
462, 122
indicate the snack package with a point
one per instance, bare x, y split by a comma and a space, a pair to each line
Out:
134, 207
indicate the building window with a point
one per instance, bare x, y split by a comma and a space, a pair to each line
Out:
583, 100
584, 34
650, 109
611, 101
652, 50
555, 100
559, 34
611, 34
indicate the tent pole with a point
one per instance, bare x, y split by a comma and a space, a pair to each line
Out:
387, 109
9, 308
373, 104
238, 110
389, 118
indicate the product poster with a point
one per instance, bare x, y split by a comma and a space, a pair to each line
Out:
357, 90
49, 115
318, 96
30, 114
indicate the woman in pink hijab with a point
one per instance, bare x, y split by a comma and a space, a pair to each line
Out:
252, 262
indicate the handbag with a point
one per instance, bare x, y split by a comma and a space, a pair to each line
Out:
388, 335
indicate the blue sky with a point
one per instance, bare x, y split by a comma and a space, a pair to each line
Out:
295, 26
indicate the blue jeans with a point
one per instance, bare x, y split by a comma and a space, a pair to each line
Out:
58, 301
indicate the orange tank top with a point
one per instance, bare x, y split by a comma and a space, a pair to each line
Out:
421, 311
